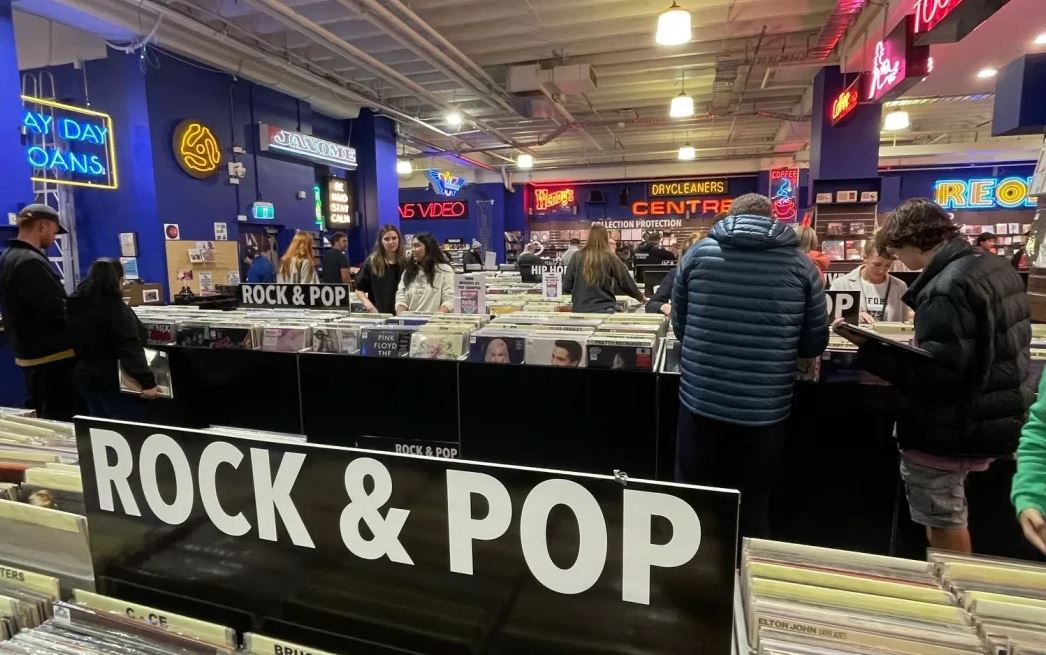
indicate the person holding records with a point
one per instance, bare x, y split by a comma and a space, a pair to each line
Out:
661, 300
379, 277
881, 293
105, 333
964, 391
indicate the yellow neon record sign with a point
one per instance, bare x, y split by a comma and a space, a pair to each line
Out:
196, 149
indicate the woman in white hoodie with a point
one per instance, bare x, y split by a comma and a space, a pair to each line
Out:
881, 293
427, 284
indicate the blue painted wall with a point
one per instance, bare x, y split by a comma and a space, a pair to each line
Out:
377, 185
849, 150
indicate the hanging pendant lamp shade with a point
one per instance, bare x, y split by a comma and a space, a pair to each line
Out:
673, 26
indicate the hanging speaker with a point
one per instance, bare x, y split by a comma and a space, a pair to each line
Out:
623, 196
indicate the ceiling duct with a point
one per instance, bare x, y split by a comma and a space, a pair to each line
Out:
839, 21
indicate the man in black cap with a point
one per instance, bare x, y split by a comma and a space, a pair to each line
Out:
32, 300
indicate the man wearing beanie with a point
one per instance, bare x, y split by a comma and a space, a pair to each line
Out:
32, 301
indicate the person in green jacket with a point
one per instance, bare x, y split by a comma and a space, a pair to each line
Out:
1029, 483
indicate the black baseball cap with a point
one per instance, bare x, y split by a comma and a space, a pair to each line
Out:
37, 211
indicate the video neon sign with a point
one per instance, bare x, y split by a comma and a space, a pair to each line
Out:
545, 199
984, 193
439, 209
79, 150
681, 206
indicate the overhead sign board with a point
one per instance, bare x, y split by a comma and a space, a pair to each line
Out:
784, 193
196, 148
436, 209
948, 21
296, 296
553, 198
305, 146
69, 145
517, 559
842, 106
897, 64
676, 188
445, 183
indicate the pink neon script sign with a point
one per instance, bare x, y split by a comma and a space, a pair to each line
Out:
930, 12
886, 72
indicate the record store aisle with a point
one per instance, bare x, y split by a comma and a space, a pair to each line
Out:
290, 362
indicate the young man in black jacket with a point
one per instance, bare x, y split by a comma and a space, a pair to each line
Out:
32, 300
964, 405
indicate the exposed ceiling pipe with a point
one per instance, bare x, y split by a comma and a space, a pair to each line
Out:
530, 144
839, 21
324, 37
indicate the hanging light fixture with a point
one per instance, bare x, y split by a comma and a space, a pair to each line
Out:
687, 152
673, 26
525, 161
404, 167
896, 121
682, 105
453, 119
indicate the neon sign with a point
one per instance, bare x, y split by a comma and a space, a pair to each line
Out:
897, 63
885, 70
984, 193
438, 209
698, 206
79, 150
688, 188
930, 12
548, 198
196, 149
306, 146
784, 193
339, 202
445, 183
845, 102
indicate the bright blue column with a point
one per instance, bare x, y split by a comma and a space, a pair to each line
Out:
15, 186
1020, 97
377, 186
849, 150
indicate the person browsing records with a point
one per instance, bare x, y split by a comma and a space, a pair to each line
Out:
335, 263
661, 301
966, 401
595, 276
379, 277
106, 332
298, 266
259, 267
882, 295
572, 249
428, 280
528, 262
473, 256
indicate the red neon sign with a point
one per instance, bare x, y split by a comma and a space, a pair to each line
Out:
930, 12
784, 193
441, 209
886, 71
548, 198
681, 206
844, 103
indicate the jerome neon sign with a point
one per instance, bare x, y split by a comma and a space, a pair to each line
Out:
437, 209
984, 193
305, 146
80, 150
545, 199
681, 206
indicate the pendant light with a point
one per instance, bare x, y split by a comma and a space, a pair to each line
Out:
525, 161
673, 26
453, 119
682, 105
896, 121
687, 152
404, 167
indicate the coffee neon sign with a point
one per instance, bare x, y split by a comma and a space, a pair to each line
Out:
928, 13
845, 102
545, 199
984, 193
681, 206
436, 209
784, 193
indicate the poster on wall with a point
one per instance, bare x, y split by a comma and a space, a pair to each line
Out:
128, 244
784, 193
221, 231
171, 231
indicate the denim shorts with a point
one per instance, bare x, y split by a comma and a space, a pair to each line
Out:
936, 498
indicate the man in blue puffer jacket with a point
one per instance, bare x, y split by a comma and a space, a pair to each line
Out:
747, 303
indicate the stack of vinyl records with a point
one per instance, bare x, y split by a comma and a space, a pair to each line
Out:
26, 599
342, 339
436, 340
498, 345
286, 338
54, 486
1007, 598
806, 599
386, 340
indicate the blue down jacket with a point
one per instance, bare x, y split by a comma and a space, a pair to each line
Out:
745, 305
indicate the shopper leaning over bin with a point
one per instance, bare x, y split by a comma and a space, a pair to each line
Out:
596, 276
661, 300
746, 305
966, 398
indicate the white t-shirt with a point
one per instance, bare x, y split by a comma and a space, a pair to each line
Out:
873, 298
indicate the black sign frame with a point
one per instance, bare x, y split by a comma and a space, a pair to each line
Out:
416, 553
848, 311
295, 296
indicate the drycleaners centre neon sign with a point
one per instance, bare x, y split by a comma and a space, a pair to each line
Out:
984, 193
695, 206
76, 145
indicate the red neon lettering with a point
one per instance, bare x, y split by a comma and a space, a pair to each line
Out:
710, 207
928, 13
692, 205
641, 208
406, 210
844, 104
657, 208
546, 199
443, 209
675, 207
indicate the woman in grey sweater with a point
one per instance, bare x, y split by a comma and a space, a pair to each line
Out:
596, 275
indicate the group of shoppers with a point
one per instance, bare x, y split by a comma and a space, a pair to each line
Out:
748, 301
389, 282
70, 347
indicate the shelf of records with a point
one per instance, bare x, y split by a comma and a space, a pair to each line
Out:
818, 601
612, 341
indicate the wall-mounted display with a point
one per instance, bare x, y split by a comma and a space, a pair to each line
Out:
68, 144
842, 106
688, 188
305, 146
196, 149
897, 64
553, 199
340, 203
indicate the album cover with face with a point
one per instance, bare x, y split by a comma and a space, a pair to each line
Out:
497, 349
565, 350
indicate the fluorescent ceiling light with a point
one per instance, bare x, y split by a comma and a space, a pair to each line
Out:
673, 26
404, 167
896, 121
681, 107
453, 119
985, 73
525, 161
687, 152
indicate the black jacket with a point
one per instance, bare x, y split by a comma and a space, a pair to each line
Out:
32, 301
971, 398
651, 254
106, 332
380, 289
663, 294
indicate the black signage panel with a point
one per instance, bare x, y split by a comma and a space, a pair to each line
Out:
316, 296
844, 305
421, 554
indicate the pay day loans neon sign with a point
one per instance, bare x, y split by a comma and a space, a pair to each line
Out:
68, 144
984, 193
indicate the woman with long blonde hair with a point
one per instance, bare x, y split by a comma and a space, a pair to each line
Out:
379, 277
596, 275
298, 266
